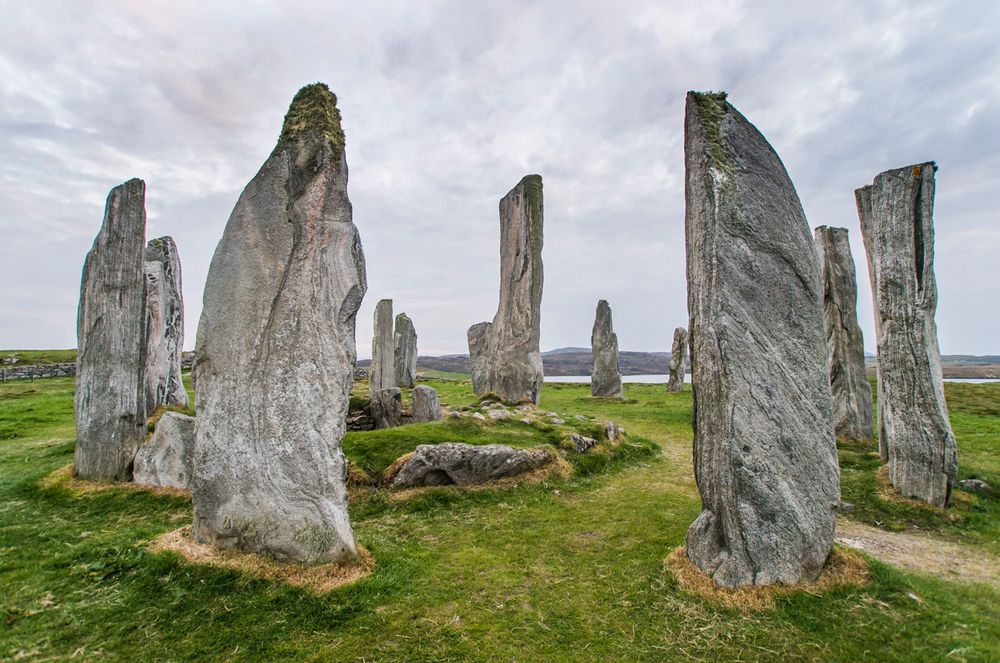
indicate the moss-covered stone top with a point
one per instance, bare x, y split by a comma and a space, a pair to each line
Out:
711, 107
532, 186
313, 111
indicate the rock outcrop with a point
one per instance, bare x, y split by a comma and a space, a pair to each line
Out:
110, 332
678, 360
465, 464
386, 407
426, 406
382, 372
275, 353
504, 354
405, 351
164, 325
852, 395
764, 453
605, 378
915, 436
167, 459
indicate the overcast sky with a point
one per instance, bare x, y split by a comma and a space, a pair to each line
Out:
446, 105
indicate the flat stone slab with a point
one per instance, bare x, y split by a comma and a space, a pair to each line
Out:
465, 464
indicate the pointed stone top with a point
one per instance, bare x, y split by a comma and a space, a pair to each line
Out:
711, 107
313, 113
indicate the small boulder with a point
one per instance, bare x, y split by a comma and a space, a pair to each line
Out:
581, 443
426, 406
166, 460
613, 431
976, 486
478, 416
465, 464
386, 408
498, 415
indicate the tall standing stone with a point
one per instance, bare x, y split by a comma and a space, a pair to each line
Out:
605, 378
276, 351
678, 360
504, 354
164, 325
764, 453
915, 436
852, 395
405, 351
382, 372
110, 332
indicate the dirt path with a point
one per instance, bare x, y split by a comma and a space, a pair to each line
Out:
924, 554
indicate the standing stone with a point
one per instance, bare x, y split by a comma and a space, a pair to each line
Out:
852, 395
386, 408
426, 406
678, 360
915, 436
605, 378
110, 332
405, 352
504, 353
164, 325
764, 453
382, 372
167, 459
275, 355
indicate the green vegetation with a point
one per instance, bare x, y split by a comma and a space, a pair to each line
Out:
33, 357
556, 571
314, 112
974, 519
711, 107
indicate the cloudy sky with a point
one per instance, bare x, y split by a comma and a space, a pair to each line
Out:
447, 104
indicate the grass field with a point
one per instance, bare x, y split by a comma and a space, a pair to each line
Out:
13, 358
560, 571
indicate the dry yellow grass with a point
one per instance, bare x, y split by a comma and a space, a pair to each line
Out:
63, 478
318, 578
844, 567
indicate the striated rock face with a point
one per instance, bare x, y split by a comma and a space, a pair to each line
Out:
382, 372
276, 351
167, 459
678, 360
915, 436
764, 453
605, 378
426, 406
852, 395
386, 407
504, 354
405, 351
110, 332
465, 464
164, 325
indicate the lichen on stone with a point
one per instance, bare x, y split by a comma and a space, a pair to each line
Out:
313, 111
532, 187
711, 107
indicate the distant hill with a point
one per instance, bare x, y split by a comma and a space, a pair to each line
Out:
561, 361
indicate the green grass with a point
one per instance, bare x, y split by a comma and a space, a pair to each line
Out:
567, 571
37, 357
973, 518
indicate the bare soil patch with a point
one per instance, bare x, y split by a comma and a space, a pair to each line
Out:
922, 553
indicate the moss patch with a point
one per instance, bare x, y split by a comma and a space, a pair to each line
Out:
313, 113
711, 107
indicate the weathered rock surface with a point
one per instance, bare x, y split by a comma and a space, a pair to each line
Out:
386, 407
426, 406
110, 331
915, 436
613, 431
976, 486
164, 325
405, 351
382, 371
678, 360
167, 459
764, 453
852, 395
605, 378
581, 443
465, 464
276, 351
504, 354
